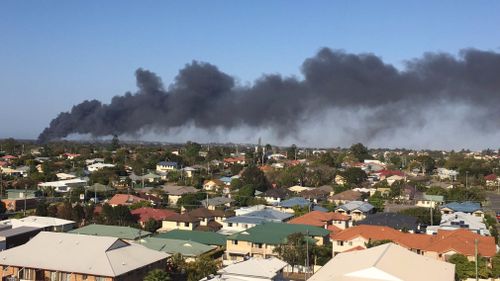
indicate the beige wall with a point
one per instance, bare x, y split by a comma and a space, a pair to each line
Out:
170, 225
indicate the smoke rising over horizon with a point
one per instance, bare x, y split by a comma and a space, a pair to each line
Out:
436, 101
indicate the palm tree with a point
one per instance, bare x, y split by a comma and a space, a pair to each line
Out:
157, 275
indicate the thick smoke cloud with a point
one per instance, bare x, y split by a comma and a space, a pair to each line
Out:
379, 99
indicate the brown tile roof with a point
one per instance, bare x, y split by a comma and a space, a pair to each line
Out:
317, 218
348, 195
182, 218
460, 241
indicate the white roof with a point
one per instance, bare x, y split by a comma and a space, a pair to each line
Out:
255, 267
298, 188
36, 221
93, 255
61, 183
388, 262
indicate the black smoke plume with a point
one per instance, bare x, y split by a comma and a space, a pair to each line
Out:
333, 81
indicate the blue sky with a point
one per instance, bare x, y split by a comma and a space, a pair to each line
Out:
54, 54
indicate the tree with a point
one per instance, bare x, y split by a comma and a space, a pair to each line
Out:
152, 225
244, 195
463, 268
202, 267
495, 266
254, 176
64, 211
123, 216
3, 209
291, 152
115, 143
423, 215
293, 251
77, 213
354, 175
41, 209
375, 243
157, 275
377, 201
360, 152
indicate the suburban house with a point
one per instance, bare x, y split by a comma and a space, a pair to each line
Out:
165, 167
189, 171
440, 246
212, 185
98, 166
446, 174
179, 221
428, 201
345, 196
124, 199
260, 241
63, 256
325, 220
234, 160
492, 180
122, 232
217, 202
253, 269
175, 192
44, 223
203, 237
315, 195
393, 220
189, 250
248, 220
275, 195
20, 199
294, 202
63, 185
471, 208
387, 262
460, 220
144, 214
210, 220
358, 210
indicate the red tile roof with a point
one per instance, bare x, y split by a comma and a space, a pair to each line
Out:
146, 213
460, 241
124, 199
491, 177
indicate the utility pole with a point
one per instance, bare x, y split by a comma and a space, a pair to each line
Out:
432, 213
307, 255
25, 195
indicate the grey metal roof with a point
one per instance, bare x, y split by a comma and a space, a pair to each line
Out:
84, 254
18, 230
356, 205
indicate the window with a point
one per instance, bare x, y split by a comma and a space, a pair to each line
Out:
258, 245
235, 242
186, 224
340, 243
28, 274
230, 224
350, 243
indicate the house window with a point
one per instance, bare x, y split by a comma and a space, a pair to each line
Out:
350, 243
186, 224
230, 224
235, 242
28, 274
258, 245
340, 243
